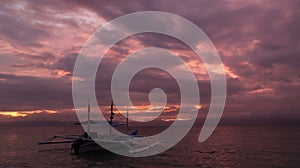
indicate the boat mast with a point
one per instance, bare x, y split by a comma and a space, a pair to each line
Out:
111, 117
127, 115
111, 112
89, 112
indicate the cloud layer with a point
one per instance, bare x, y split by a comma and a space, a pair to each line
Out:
258, 42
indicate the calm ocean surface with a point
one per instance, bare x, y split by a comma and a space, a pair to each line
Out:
244, 147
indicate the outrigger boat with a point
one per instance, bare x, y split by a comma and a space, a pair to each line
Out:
84, 142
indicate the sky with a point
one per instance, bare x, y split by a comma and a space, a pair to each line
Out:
258, 42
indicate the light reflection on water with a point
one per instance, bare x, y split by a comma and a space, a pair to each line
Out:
227, 147
11, 142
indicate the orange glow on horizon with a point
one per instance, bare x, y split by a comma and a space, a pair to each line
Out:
25, 113
198, 107
13, 114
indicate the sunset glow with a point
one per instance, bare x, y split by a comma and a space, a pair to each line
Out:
25, 113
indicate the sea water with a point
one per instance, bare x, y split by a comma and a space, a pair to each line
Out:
234, 146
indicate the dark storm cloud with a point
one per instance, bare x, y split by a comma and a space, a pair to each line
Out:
66, 63
32, 93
